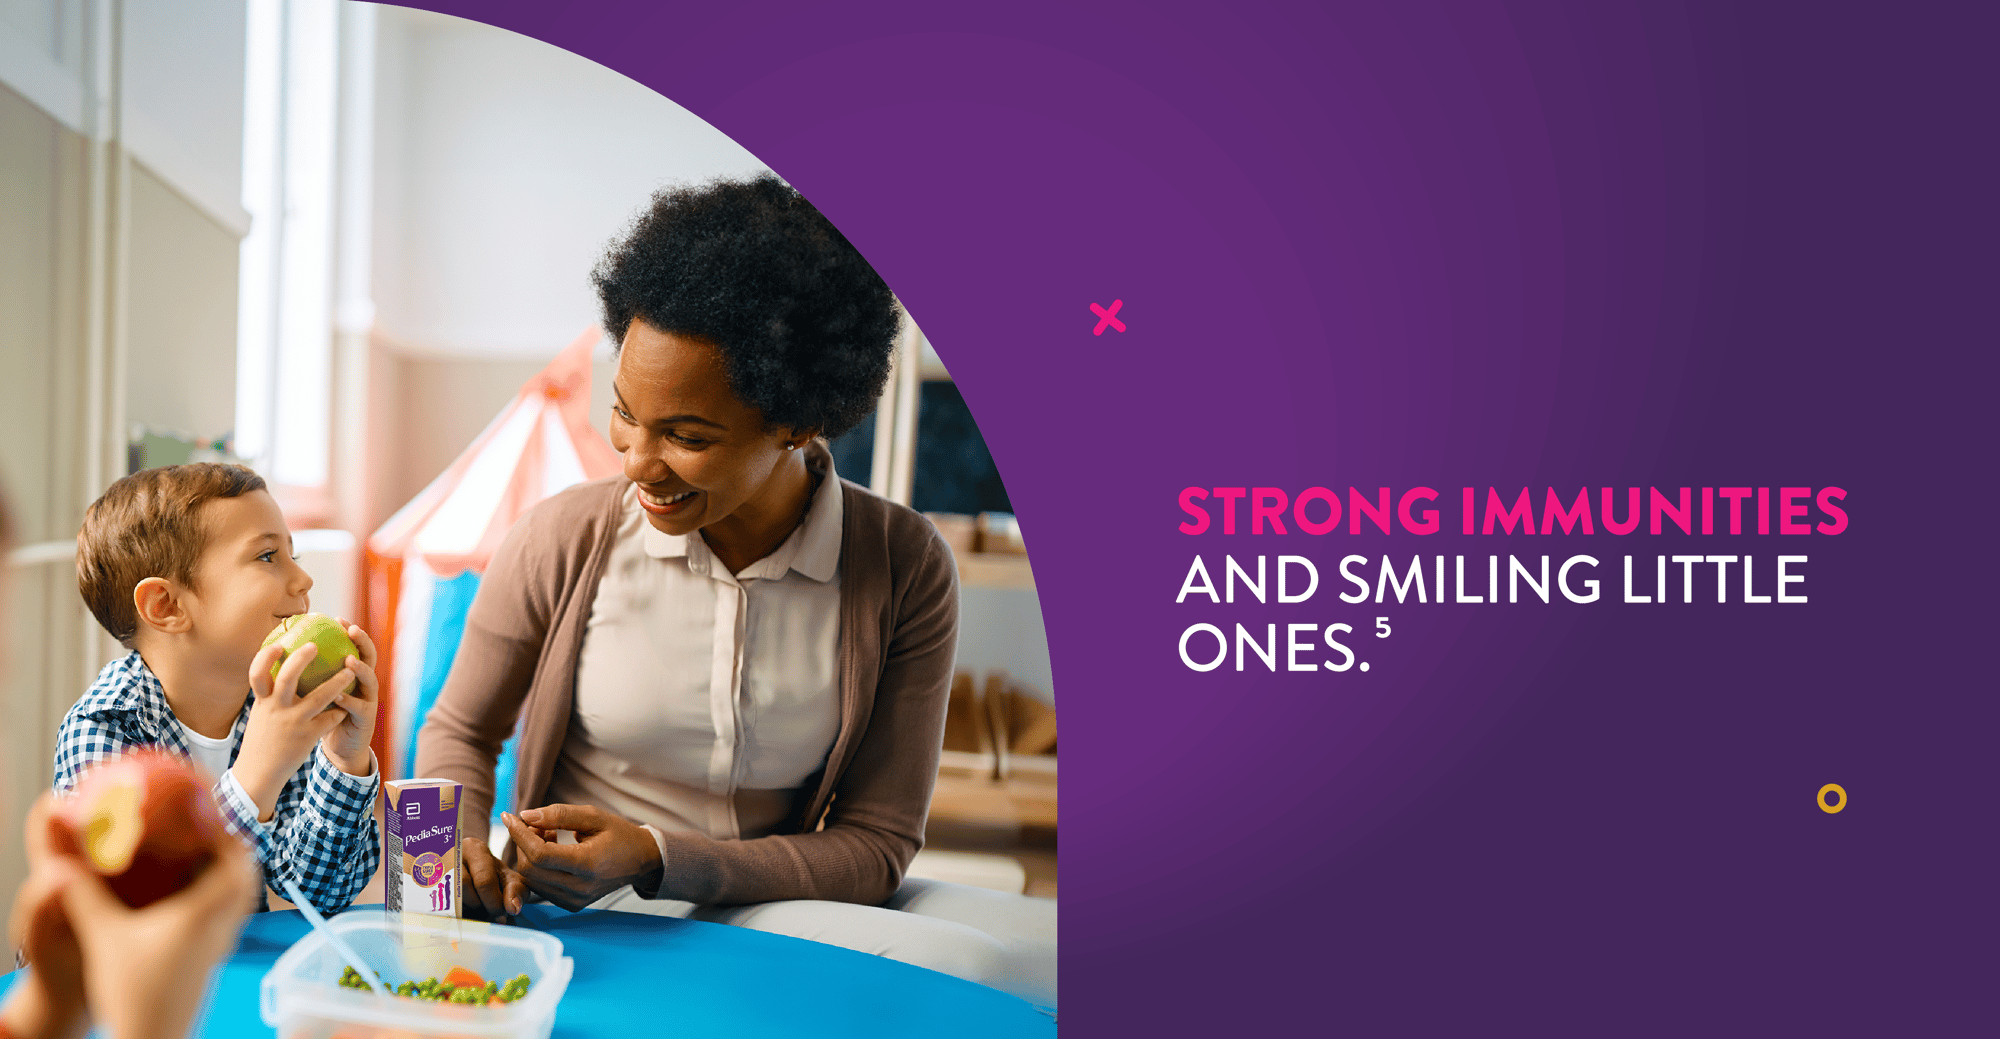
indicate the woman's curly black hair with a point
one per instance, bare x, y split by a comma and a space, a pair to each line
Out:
806, 327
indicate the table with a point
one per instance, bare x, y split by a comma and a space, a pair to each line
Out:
640, 975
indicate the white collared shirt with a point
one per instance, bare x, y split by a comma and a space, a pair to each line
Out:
704, 699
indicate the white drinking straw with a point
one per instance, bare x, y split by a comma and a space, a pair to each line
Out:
339, 944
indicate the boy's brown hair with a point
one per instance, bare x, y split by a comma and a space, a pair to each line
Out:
145, 525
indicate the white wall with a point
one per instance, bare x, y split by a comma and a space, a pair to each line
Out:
183, 93
53, 28
182, 87
181, 300
117, 305
503, 167
452, 399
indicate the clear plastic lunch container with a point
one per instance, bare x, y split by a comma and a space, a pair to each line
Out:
302, 998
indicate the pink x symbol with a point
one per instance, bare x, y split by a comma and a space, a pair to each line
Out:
1107, 317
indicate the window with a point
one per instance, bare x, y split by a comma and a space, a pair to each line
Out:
285, 295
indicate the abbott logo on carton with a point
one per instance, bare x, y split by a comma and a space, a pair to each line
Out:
420, 849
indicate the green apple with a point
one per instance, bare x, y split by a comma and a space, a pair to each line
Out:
322, 631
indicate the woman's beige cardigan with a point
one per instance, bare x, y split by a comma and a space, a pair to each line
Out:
852, 839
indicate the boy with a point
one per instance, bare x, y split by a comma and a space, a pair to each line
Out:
94, 956
190, 567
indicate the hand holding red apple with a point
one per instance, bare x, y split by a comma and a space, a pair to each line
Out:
144, 821
142, 968
91, 950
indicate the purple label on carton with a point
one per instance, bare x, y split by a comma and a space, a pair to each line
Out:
426, 828
420, 846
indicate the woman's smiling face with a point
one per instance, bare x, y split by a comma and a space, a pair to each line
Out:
697, 452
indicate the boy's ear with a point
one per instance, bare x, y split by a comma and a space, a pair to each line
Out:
160, 608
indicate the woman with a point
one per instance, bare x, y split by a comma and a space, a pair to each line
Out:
729, 667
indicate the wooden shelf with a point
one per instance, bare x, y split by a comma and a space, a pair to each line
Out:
1013, 802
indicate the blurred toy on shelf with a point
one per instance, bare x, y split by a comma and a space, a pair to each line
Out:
150, 448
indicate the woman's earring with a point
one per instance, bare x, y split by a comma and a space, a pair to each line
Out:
791, 447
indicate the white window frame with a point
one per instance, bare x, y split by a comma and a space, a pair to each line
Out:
284, 367
893, 473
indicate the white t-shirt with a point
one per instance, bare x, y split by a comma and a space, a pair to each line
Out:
704, 700
210, 755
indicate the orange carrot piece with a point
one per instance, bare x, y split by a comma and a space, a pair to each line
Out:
459, 977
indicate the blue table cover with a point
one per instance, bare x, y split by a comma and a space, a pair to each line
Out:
642, 975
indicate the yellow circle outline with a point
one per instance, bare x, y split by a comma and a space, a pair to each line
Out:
1836, 809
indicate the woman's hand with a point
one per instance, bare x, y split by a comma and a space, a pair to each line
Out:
609, 853
495, 892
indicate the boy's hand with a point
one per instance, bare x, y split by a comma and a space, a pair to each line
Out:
284, 726
347, 745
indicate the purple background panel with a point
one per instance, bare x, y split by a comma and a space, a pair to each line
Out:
1400, 244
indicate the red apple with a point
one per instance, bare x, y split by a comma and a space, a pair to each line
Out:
146, 822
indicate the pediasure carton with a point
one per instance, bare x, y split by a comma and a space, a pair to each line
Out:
421, 864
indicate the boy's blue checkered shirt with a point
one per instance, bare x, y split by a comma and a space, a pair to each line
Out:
323, 834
